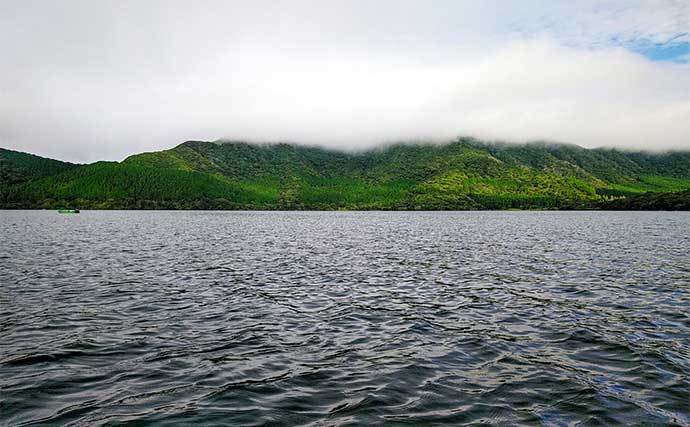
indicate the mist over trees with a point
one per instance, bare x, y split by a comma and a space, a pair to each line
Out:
464, 174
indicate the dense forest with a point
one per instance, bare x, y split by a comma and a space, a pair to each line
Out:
463, 174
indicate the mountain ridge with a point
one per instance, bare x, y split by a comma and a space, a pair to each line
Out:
462, 174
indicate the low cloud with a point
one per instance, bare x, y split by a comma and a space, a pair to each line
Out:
91, 104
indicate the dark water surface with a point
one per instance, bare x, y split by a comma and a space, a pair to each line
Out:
361, 318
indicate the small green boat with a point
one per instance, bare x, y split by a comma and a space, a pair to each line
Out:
68, 211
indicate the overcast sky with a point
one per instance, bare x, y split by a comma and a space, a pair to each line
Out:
92, 80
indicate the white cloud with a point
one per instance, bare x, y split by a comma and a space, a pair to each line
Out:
351, 75
599, 24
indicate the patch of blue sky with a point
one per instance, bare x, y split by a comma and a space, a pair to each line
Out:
674, 50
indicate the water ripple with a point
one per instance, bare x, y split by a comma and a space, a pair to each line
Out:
329, 318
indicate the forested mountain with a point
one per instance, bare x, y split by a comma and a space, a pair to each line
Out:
17, 167
464, 174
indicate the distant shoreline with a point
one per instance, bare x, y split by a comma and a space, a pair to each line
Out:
464, 174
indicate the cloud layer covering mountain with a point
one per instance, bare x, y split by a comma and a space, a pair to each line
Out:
92, 80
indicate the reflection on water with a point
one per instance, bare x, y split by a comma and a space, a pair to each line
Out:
248, 318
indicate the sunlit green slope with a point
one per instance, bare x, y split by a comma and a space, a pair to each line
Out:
465, 174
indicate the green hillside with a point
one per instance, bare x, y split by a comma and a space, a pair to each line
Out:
676, 201
17, 167
464, 174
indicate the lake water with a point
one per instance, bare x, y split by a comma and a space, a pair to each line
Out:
357, 318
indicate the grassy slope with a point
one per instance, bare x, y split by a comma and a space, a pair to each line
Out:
465, 174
